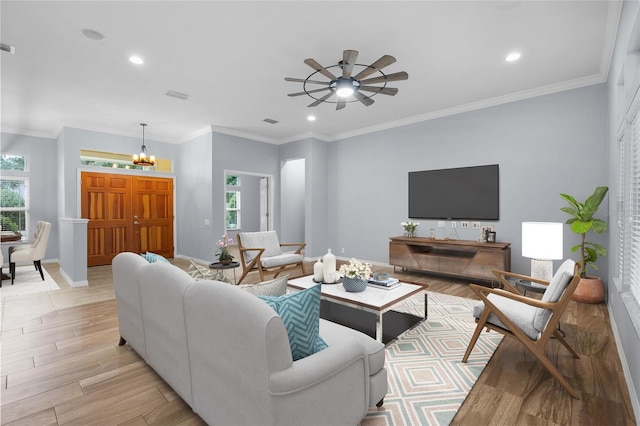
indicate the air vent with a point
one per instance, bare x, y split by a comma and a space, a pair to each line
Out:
178, 95
7, 48
270, 121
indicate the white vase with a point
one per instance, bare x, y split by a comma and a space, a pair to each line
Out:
329, 267
318, 271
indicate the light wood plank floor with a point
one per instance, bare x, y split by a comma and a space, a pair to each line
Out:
61, 364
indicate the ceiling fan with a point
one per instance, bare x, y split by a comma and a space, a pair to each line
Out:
346, 86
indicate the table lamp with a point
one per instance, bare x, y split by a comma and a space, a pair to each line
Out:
542, 242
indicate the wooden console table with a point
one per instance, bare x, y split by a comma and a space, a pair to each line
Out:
459, 258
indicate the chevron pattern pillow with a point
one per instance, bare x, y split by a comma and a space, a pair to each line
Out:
300, 313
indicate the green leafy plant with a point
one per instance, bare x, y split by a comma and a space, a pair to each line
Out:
582, 221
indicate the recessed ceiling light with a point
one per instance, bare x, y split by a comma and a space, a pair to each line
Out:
136, 60
513, 56
311, 118
92, 34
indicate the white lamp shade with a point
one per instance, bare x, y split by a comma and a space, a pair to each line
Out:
542, 240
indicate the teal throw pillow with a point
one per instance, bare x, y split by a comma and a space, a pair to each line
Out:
152, 257
300, 312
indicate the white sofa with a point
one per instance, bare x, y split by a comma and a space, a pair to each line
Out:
227, 353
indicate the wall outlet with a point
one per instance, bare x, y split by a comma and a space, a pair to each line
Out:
207, 222
453, 224
342, 250
464, 225
476, 225
441, 224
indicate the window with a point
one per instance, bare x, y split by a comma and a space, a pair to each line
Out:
14, 197
629, 206
232, 199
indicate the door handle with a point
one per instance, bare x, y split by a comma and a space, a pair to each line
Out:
136, 223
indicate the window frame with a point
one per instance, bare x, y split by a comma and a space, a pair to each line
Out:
233, 189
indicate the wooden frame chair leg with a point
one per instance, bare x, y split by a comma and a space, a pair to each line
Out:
472, 342
558, 335
38, 266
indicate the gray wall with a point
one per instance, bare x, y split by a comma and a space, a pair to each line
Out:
622, 308
292, 196
534, 141
194, 204
42, 164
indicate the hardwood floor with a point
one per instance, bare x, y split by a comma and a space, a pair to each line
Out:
61, 364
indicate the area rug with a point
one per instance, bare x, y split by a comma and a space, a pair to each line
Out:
427, 380
28, 281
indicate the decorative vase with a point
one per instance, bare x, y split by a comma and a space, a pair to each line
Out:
318, 271
329, 268
589, 290
411, 234
354, 285
226, 261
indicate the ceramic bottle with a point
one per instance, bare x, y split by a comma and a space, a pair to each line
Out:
318, 271
329, 269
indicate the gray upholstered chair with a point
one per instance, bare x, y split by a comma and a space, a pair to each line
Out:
262, 251
530, 321
33, 252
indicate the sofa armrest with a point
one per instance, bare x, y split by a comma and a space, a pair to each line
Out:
316, 368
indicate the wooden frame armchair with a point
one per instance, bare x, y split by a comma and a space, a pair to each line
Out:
530, 321
263, 251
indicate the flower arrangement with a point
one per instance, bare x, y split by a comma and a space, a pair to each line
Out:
223, 253
356, 269
410, 228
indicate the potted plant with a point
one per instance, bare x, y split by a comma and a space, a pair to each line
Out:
224, 255
356, 275
582, 221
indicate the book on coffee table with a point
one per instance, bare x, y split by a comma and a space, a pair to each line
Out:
387, 284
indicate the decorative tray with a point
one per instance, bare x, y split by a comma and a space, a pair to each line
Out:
322, 282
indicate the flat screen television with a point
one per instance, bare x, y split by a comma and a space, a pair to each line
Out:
460, 193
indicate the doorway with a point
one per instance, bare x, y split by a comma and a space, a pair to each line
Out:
126, 213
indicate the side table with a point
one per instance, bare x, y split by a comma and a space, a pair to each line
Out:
219, 267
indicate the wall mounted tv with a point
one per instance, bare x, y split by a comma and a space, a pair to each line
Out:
460, 193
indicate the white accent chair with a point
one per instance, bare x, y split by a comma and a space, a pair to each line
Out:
530, 321
262, 251
33, 252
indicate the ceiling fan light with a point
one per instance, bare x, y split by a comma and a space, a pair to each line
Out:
344, 92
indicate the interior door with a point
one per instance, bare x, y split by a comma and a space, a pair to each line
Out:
153, 215
126, 213
106, 202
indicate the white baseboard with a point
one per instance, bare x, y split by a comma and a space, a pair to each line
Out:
83, 283
206, 262
633, 396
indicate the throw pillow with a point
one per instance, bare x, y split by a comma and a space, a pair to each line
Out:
152, 257
275, 287
300, 313
199, 273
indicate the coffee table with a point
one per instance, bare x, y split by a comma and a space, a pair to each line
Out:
346, 308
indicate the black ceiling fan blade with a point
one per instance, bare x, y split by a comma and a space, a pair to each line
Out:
303, 80
362, 98
349, 58
391, 91
322, 70
308, 91
341, 104
384, 61
396, 76
321, 100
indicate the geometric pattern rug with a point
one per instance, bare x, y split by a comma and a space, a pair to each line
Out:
28, 281
427, 380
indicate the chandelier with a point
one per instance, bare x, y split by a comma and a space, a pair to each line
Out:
143, 159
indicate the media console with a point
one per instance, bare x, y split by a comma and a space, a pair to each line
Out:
459, 258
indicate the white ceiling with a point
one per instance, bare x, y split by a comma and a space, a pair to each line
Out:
231, 58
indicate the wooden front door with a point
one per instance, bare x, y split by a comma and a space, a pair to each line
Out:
126, 213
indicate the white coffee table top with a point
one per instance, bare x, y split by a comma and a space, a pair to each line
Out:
374, 299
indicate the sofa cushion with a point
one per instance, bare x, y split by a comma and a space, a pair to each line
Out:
300, 313
153, 257
268, 240
275, 287
521, 314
